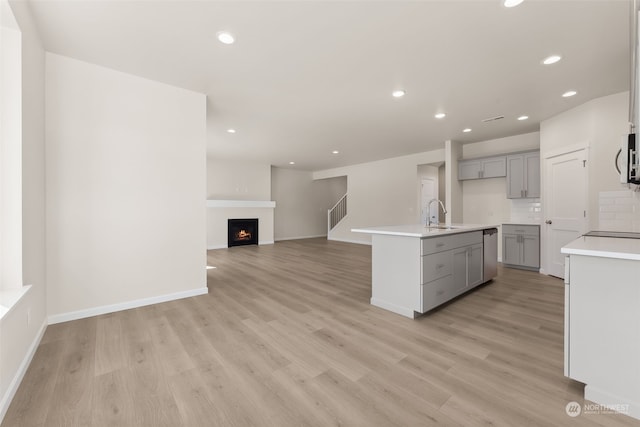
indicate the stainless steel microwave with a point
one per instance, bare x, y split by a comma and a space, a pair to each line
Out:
628, 160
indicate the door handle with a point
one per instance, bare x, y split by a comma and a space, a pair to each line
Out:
548, 221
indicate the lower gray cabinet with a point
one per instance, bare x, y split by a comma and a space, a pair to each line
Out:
451, 265
521, 246
467, 267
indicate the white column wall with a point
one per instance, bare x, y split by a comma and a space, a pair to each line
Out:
22, 327
126, 190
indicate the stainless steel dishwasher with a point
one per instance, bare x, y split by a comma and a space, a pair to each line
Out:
490, 254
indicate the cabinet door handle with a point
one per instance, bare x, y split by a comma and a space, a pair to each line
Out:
439, 266
439, 245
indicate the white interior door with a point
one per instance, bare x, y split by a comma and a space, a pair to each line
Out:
565, 205
429, 192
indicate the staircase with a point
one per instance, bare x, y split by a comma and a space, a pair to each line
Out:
336, 214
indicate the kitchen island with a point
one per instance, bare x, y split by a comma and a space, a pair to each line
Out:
602, 320
417, 268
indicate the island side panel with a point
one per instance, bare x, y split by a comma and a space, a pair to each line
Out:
604, 329
396, 274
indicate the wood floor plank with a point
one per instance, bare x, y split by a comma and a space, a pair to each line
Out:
33, 399
72, 402
110, 354
112, 400
286, 337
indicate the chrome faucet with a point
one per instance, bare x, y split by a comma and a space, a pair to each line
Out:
444, 210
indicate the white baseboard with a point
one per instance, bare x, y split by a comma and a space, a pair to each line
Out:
261, 242
96, 311
604, 398
300, 237
406, 312
22, 369
359, 242
210, 248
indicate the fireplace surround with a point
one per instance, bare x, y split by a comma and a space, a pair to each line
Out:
242, 231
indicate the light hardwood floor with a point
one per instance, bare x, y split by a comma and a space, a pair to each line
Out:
286, 337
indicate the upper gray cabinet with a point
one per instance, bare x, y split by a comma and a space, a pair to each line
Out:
523, 175
489, 167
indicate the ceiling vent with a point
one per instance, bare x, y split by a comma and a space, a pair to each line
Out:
493, 119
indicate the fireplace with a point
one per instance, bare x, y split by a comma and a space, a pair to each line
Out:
242, 232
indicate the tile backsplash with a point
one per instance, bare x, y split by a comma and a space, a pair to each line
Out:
526, 210
619, 210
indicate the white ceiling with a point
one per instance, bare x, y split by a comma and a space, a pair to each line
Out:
308, 77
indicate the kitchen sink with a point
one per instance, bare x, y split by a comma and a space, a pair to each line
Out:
442, 227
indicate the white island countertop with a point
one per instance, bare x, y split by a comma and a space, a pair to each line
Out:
420, 230
605, 247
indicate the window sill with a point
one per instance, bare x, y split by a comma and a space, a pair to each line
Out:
10, 298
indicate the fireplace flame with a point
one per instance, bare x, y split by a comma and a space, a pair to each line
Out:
243, 235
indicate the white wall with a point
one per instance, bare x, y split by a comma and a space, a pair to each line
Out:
126, 188
22, 328
453, 187
380, 193
302, 202
10, 151
442, 183
238, 180
509, 144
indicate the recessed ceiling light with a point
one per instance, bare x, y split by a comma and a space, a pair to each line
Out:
440, 116
569, 93
512, 3
551, 59
467, 130
292, 163
225, 37
335, 152
398, 93
231, 131
523, 117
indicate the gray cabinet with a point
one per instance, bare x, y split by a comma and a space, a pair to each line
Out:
490, 167
451, 265
521, 246
523, 175
467, 268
